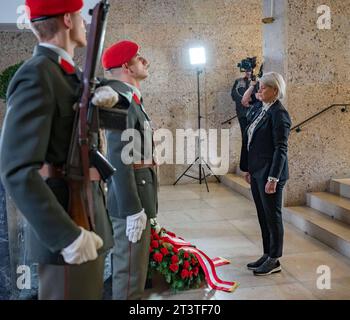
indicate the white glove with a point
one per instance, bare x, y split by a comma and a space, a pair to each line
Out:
135, 225
105, 97
83, 249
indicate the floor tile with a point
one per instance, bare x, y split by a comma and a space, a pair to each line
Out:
339, 289
292, 291
304, 266
222, 223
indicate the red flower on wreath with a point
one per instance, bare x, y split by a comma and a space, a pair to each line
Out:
155, 244
186, 265
184, 274
175, 250
193, 261
174, 267
186, 255
195, 271
164, 251
174, 259
155, 236
158, 257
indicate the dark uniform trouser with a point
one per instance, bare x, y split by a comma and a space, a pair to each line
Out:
130, 262
72, 282
269, 208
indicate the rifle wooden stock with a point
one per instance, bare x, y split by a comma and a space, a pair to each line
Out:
78, 163
77, 204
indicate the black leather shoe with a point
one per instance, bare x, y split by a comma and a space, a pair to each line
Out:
268, 267
258, 263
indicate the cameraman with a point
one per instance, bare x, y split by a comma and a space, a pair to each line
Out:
239, 88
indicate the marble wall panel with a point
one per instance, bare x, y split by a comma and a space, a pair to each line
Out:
316, 65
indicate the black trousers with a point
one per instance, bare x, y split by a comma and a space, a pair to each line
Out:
243, 122
269, 209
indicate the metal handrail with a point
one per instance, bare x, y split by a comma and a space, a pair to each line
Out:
229, 120
297, 128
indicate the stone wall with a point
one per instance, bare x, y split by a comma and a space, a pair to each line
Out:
230, 32
316, 64
16, 47
166, 30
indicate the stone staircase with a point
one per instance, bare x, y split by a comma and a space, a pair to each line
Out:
236, 182
326, 216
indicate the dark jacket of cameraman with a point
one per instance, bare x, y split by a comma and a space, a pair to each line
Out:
239, 88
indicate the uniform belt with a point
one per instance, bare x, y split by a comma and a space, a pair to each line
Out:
50, 171
142, 165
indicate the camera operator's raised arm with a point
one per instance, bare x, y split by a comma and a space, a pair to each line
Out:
248, 94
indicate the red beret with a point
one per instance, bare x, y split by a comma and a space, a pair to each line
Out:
119, 53
46, 8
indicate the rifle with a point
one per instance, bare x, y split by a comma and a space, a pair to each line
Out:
83, 151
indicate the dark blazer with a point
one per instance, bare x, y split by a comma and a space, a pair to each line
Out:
37, 130
130, 190
239, 88
267, 156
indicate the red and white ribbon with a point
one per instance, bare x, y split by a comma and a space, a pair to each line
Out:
178, 242
218, 262
208, 265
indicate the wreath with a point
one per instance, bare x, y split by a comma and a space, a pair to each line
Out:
180, 269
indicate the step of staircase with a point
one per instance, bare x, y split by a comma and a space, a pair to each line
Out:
239, 172
335, 206
237, 184
333, 233
340, 187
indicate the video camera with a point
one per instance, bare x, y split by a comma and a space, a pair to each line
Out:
248, 64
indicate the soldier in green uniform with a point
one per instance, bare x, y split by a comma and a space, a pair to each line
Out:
132, 192
34, 147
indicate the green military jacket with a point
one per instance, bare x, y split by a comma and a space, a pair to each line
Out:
37, 129
131, 190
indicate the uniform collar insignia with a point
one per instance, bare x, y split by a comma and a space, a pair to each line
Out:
136, 99
66, 66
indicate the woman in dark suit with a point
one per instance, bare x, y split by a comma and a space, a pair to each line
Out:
264, 159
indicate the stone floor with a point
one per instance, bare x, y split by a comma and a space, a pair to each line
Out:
224, 223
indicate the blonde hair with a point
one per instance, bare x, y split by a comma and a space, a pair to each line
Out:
275, 80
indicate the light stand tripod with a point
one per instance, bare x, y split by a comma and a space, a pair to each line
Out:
201, 162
